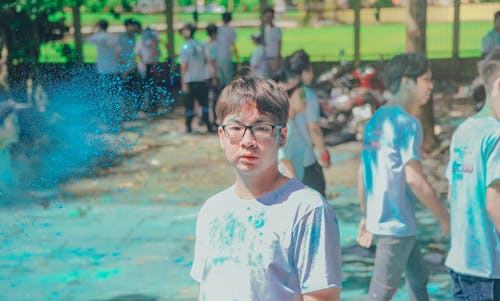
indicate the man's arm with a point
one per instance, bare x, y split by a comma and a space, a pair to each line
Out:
319, 142
493, 203
364, 238
329, 294
184, 85
423, 190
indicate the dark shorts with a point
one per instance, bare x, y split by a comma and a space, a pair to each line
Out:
314, 178
473, 288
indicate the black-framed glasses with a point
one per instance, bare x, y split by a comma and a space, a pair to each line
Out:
236, 131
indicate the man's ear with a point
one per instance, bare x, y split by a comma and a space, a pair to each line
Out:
406, 83
283, 134
220, 131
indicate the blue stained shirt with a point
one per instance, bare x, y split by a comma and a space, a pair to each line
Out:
392, 139
473, 166
276, 247
193, 54
310, 115
295, 148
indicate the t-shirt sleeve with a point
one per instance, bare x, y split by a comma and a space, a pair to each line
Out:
410, 142
493, 160
487, 44
184, 54
317, 252
312, 110
197, 266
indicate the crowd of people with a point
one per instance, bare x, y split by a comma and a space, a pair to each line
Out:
128, 70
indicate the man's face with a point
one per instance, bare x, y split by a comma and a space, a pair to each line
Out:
248, 154
268, 17
423, 88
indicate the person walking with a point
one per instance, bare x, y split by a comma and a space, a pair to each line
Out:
473, 173
391, 177
193, 76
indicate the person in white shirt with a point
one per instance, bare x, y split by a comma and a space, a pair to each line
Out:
272, 41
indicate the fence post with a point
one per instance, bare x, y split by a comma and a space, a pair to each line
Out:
357, 9
456, 35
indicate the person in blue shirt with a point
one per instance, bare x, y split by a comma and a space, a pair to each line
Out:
473, 173
391, 178
492, 38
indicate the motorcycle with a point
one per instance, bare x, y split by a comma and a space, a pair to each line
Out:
348, 98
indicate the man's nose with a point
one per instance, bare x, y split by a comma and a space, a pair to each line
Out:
248, 137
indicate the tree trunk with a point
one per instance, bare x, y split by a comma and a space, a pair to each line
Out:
77, 25
169, 12
22, 40
416, 43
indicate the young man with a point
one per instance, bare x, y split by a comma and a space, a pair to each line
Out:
193, 61
391, 177
226, 51
267, 237
128, 67
108, 80
492, 38
308, 124
474, 177
272, 41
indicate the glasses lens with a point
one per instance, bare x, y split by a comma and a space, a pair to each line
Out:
262, 131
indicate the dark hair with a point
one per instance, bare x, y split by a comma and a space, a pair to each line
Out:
267, 96
489, 69
298, 62
190, 27
411, 65
497, 15
268, 9
211, 29
132, 22
102, 24
226, 17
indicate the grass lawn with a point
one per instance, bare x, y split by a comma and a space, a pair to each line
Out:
325, 43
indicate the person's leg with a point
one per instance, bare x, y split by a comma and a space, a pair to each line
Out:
201, 94
314, 178
417, 275
472, 288
188, 100
391, 257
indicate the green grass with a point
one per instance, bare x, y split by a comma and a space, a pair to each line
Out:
325, 43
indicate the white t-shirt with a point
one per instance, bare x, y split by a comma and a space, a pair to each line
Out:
148, 48
193, 54
258, 61
276, 247
273, 39
226, 36
107, 46
392, 139
474, 165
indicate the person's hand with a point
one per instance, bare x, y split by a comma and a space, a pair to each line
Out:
364, 238
185, 88
445, 226
325, 159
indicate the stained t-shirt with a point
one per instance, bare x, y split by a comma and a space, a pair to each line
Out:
276, 247
392, 139
474, 165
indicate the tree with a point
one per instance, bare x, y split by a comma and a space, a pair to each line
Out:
416, 43
24, 26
